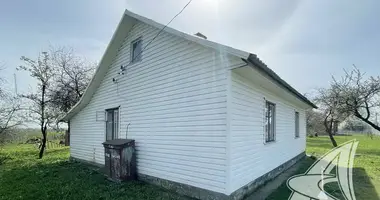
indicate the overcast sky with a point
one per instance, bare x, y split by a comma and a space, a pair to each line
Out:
305, 42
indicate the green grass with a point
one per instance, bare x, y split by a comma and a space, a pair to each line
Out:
20, 136
23, 176
366, 172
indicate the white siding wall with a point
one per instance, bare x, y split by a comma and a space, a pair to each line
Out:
175, 102
250, 157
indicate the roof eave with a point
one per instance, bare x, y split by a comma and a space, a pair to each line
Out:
258, 64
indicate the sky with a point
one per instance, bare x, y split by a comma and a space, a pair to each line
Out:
305, 42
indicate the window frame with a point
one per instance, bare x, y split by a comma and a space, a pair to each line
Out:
296, 124
269, 128
115, 125
139, 39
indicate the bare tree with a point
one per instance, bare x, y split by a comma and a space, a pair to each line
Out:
41, 70
359, 96
71, 76
314, 122
9, 111
328, 101
9, 118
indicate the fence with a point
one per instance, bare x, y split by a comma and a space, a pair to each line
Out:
369, 131
21, 138
50, 145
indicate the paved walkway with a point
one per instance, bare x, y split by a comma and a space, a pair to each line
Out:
263, 192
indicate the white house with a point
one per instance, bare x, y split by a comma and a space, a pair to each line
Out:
209, 119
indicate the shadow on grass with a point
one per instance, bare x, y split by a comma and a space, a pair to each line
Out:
324, 144
71, 180
373, 152
362, 184
320, 142
283, 192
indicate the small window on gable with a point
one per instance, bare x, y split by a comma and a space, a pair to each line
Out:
297, 124
136, 50
270, 122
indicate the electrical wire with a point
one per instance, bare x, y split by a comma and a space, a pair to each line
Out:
158, 33
146, 46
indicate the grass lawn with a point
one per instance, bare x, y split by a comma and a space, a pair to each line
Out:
23, 176
366, 172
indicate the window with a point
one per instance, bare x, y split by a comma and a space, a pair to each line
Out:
112, 123
270, 113
297, 124
136, 50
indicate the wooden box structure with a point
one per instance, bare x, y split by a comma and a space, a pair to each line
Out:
120, 159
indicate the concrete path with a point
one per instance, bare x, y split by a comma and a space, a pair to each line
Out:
263, 192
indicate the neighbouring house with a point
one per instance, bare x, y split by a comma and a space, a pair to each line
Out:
208, 120
353, 125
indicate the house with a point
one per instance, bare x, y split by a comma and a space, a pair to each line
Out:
208, 120
353, 125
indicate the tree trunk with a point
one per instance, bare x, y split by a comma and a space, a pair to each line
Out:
67, 134
43, 123
68, 126
43, 144
328, 126
332, 140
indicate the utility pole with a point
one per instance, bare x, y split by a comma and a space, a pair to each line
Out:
14, 76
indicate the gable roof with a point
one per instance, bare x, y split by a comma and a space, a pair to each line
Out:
122, 30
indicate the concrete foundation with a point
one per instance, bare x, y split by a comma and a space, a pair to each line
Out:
203, 194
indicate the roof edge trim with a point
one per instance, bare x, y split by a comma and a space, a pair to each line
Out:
257, 63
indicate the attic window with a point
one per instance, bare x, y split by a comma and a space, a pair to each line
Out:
136, 50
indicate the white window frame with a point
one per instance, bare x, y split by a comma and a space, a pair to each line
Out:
115, 126
139, 58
